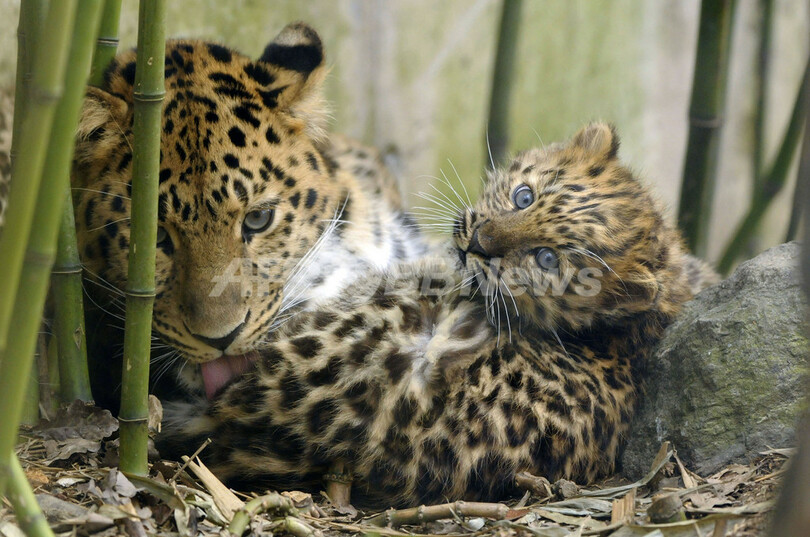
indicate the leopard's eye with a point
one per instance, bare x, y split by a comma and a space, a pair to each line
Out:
522, 196
546, 259
258, 220
162, 235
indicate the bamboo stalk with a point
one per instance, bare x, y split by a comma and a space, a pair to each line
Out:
29, 516
791, 516
800, 189
67, 284
15, 354
30, 407
32, 16
705, 119
774, 180
140, 291
502, 75
429, 513
271, 502
107, 41
763, 70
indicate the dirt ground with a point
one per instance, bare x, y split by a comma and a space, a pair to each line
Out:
70, 463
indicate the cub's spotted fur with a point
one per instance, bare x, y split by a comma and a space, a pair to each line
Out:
261, 213
429, 394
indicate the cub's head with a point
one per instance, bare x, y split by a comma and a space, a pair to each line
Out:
566, 236
244, 190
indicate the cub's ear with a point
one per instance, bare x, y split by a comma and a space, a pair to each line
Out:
104, 120
297, 60
598, 139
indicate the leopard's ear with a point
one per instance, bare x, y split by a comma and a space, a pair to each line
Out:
296, 60
598, 139
104, 120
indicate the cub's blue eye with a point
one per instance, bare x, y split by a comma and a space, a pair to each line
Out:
522, 196
546, 259
258, 220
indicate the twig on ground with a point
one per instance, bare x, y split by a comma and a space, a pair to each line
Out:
270, 502
430, 513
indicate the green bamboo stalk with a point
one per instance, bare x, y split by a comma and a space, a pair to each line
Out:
35, 127
705, 119
763, 70
26, 308
497, 135
140, 292
30, 407
68, 300
791, 515
67, 284
32, 17
29, 516
107, 42
774, 181
800, 189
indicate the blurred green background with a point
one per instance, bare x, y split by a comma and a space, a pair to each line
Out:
412, 77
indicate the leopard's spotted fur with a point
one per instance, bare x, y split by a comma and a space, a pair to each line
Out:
242, 141
423, 397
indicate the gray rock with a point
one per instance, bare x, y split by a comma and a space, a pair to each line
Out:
728, 378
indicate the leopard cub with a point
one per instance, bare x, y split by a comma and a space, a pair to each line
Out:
442, 379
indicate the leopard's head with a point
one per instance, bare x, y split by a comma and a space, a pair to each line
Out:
567, 236
244, 190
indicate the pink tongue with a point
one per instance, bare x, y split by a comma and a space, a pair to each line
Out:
217, 373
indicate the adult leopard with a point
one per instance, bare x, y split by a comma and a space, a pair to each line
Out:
261, 212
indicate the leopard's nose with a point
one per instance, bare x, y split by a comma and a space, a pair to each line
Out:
222, 342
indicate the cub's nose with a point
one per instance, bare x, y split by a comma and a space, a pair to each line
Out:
475, 247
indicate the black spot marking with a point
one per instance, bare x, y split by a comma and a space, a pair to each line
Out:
237, 136
270, 97
397, 364
328, 375
295, 199
219, 53
271, 136
231, 161
244, 113
312, 197
321, 415
128, 72
306, 346
300, 58
259, 74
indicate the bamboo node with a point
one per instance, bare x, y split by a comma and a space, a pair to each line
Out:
148, 97
134, 293
346, 478
108, 41
133, 420
70, 269
714, 122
